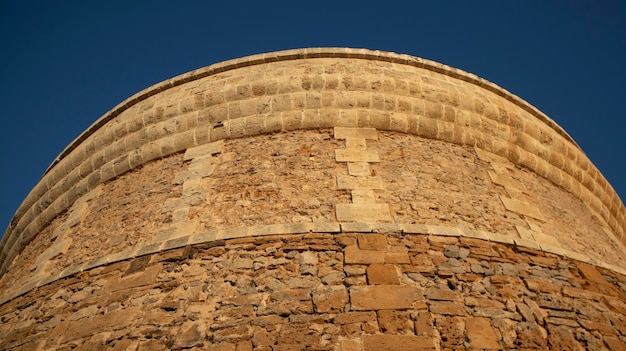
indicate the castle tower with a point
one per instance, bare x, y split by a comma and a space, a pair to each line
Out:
322, 199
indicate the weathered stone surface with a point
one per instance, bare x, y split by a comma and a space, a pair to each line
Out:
219, 210
397, 342
382, 274
355, 155
358, 182
355, 255
384, 297
481, 333
330, 299
361, 133
363, 212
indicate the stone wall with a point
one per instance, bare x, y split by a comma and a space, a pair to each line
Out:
323, 199
311, 89
253, 186
344, 291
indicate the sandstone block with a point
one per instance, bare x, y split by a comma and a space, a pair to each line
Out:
362, 212
382, 274
397, 257
350, 345
330, 299
357, 144
145, 277
521, 207
398, 342
355, 155
372, 242
395, 322
362, 133
441, 294
353, 254
359, 182
481, 334
190, 334
447, 308
363, 196
355, 317
359, 169
384, 297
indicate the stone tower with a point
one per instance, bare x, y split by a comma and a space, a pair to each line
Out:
322, 199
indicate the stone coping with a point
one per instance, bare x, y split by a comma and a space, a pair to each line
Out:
218, 237
308, 53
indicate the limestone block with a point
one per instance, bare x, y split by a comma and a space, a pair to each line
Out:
507, 182
481, 334
358, 182
363, 196
384, 297
521, 207
356, 143
359, 133
330, 299
355, 255
382, 274
398, 342
355, 155
359, 169
372, 242
204, 150
362, 212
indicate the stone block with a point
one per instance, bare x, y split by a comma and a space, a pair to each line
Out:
398, 342
361, 133
481, 334
447, 308
355, 155
363, 196
382, 274
362, 212
442, 294
100, 323
521, 207
352, 182
355, 317
545, 239
330, 299
372, 242
507, 182
384, 297
350, 345
353, 255
395, 322
397, 257
359, 169
204, 150
356, 144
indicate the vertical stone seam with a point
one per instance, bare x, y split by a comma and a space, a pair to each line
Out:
531, 235
359, 181
201, 165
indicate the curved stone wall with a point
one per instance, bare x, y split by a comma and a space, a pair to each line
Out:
309, 144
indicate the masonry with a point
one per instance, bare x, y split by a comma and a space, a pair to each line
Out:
326, 199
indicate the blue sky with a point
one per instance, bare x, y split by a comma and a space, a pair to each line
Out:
66, 63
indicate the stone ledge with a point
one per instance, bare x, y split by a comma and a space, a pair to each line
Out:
217, 237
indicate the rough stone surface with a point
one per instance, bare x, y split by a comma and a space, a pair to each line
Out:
216, 297
319, 199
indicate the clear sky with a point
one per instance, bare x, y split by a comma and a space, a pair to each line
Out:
66, 63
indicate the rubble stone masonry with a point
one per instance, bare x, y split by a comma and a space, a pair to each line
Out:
318, 199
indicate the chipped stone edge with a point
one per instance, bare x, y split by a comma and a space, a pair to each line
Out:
303, 228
